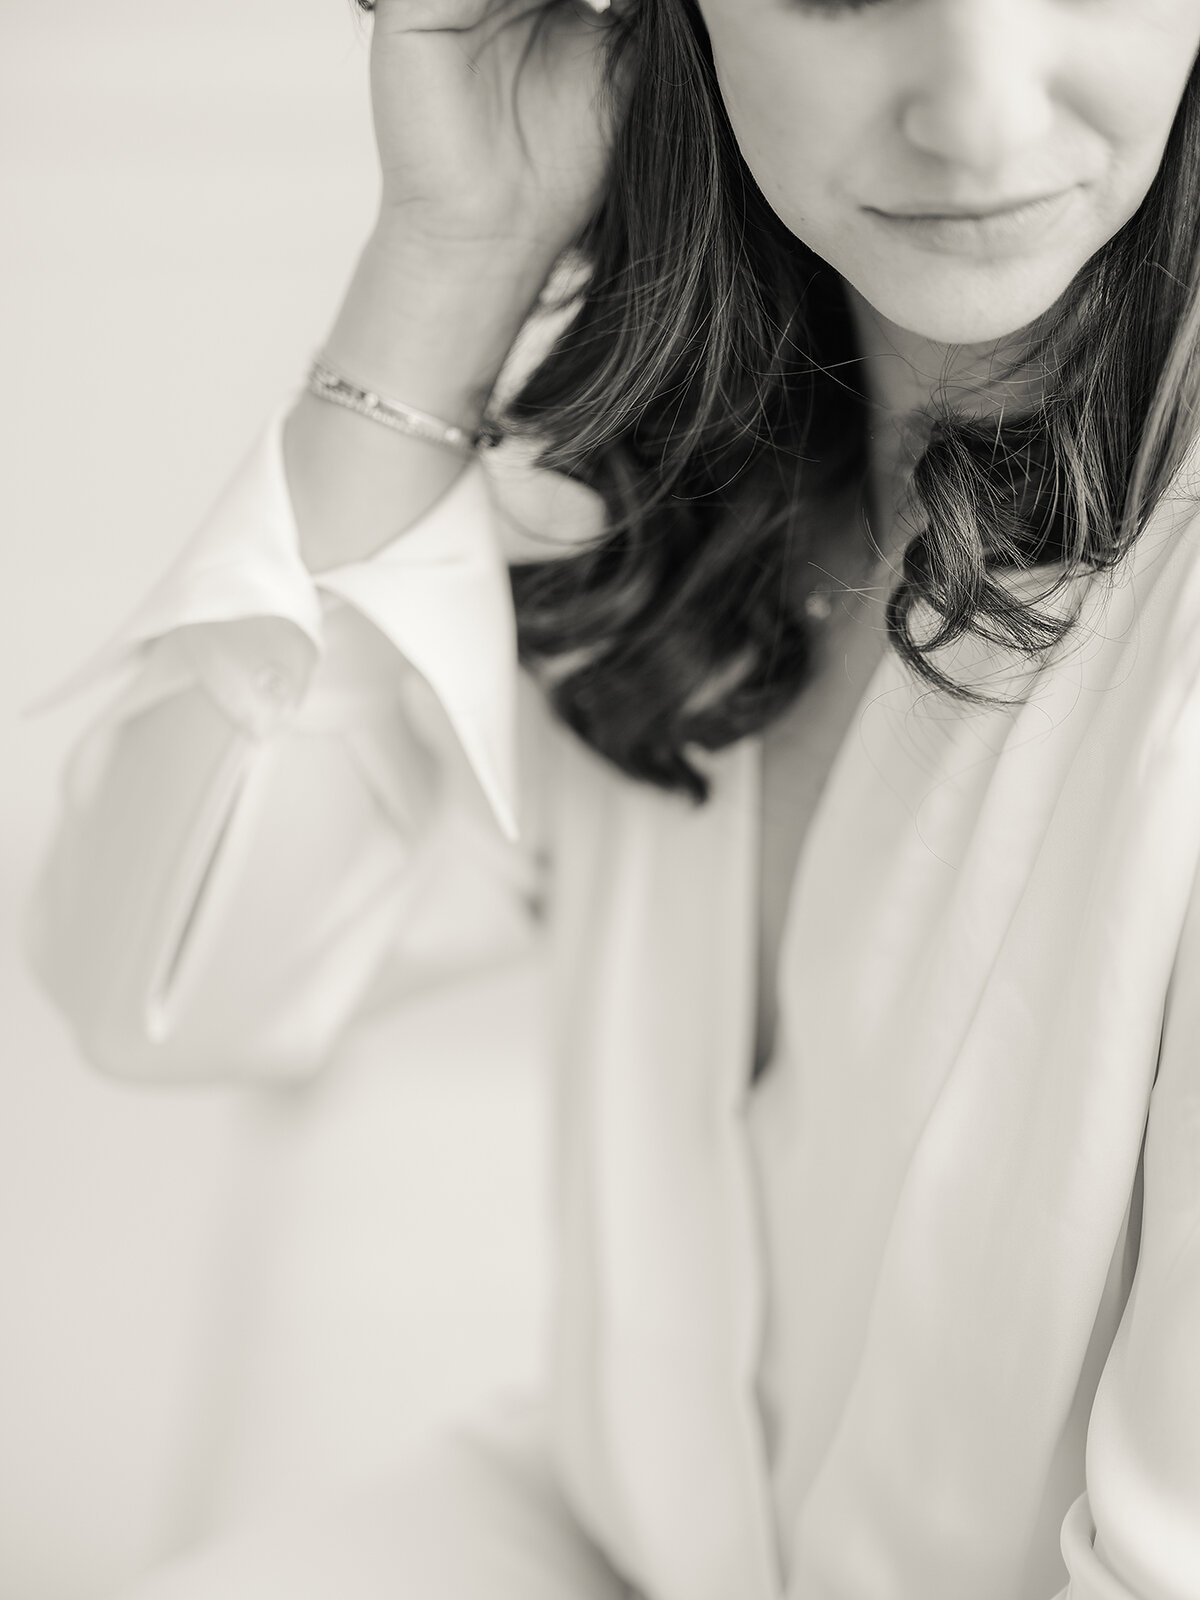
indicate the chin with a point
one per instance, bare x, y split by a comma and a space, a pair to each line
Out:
960, 308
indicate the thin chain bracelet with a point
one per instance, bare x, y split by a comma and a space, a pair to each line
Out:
327, 383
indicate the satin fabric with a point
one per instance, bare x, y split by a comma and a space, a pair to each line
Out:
476, 1514
925, 1301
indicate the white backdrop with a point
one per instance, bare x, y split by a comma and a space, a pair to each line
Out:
210, 1300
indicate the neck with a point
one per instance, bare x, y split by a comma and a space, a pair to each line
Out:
909, 379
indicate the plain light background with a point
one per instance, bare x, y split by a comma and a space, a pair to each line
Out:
212, 1301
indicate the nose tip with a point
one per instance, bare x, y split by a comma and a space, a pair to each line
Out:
977, 114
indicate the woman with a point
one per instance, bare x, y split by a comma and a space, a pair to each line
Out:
856, 774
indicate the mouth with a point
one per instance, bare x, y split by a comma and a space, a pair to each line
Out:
994, 228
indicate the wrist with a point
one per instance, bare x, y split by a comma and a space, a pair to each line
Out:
500, 233
432, 324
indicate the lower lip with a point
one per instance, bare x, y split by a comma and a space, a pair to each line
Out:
1001, 233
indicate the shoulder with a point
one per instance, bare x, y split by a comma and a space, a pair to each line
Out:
1148, 613
540, 515
1132, 652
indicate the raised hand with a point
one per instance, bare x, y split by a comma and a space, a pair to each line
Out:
494, 120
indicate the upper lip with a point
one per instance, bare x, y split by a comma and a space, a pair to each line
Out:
956, 208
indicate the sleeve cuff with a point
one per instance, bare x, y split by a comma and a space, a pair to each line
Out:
243, 562
439, 592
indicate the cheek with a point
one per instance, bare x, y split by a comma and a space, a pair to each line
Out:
1132, 86
796, 118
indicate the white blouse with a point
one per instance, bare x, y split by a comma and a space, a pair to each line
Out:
926, 1297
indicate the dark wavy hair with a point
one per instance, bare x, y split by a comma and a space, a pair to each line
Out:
705, 386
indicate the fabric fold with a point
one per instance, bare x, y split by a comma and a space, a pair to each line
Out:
439, 593
244, 561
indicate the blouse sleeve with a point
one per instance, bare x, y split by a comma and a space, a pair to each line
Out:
1135, 1534
248, 823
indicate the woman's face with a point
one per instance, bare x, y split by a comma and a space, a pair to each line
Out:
957, 161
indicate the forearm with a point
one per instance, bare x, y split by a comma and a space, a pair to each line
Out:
431, 327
